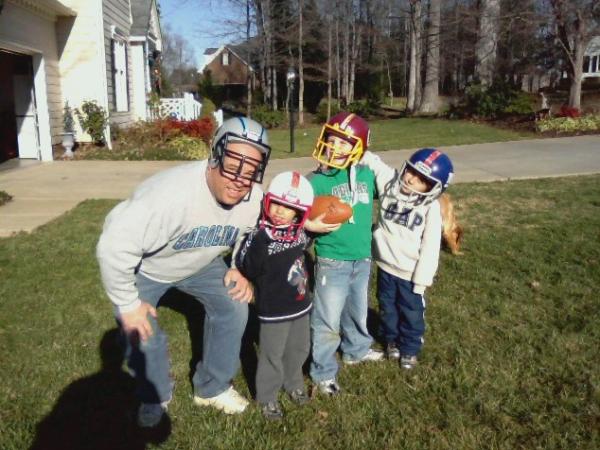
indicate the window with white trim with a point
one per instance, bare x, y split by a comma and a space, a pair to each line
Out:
119, 51
225, 57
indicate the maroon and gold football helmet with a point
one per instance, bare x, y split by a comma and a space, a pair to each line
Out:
353, 130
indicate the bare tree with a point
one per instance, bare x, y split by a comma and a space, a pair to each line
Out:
430, 100
576, 21
487, 41
300, 64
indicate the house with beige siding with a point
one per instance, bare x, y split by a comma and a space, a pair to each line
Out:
57, 51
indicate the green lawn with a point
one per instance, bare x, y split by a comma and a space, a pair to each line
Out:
511, 359
400, 134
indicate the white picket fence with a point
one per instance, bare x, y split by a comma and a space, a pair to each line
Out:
186, 108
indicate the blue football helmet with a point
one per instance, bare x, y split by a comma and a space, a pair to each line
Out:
435, 167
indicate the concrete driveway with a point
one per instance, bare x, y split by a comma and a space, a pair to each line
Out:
44, 191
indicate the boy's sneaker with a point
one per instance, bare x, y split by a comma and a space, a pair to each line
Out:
329, 387
150, 414
229, 401
371, 355
299, 396
408, 362
272, 410
392, 351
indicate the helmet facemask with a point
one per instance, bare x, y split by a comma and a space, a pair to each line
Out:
248, 168
328, 155
414, 197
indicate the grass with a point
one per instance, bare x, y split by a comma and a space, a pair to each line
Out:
397, 134
4, 197
510, 359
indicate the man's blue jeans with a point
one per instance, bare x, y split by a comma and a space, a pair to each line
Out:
224, 326
340, 306
402, 313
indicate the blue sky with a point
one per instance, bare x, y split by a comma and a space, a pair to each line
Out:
203, 23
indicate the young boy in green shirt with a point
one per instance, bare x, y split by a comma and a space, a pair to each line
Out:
343, 252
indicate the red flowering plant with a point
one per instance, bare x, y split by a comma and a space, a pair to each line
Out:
568, 111
202, 128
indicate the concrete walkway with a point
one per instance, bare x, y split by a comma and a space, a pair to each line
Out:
44, 191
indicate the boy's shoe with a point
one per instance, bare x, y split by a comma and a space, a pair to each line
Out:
408, 362
150, 414
272, 410
329, 387
392, 351
371, 355
229, 401
299, 396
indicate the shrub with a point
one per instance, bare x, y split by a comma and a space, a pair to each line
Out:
202, 128
178, 148
93, 119
208, 108
4, 198
364, 108
321, 115
499, 99
267, 117
68, 121
568, 111
569, 124
189, 148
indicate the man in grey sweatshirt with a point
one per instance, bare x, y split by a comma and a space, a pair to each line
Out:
172, 233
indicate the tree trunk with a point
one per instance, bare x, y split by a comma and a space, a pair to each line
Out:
346, 56
415, 18
353, 57
248, 60
487, 41
430, 100
300, 65
329, 57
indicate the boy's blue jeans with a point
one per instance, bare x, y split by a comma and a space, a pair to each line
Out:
340, 305
224, 326
402, 313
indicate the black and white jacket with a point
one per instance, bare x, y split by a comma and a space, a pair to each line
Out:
278, 271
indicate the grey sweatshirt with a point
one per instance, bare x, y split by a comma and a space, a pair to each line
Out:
407, 237
170, 227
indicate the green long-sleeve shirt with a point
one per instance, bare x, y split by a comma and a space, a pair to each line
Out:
353, 240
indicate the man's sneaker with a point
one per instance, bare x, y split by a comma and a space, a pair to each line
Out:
272, 410
329, 387
150, 414
371, 355
229, 401
392, 351
408, 362
299, 396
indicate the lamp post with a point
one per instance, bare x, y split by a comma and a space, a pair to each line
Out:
291, 78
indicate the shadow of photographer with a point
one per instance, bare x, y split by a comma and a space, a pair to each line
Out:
98, 411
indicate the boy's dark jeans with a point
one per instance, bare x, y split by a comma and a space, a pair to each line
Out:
402, 313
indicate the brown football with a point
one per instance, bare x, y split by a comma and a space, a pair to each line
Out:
336, 211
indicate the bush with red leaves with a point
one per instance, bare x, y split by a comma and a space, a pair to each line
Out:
567, 111
202, 128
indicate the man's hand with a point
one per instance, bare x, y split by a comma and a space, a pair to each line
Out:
136, 324
318, 226
242, 289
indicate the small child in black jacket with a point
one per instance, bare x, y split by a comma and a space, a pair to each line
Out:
272, 257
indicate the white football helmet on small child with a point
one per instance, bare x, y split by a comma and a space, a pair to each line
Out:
294, 191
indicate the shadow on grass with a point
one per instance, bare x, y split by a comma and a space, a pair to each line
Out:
98, 411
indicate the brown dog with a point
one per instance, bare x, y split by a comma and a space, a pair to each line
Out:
452, 232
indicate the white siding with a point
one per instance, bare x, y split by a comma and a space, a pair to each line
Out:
80, 46
117, 13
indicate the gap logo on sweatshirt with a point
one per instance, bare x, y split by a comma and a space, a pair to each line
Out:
208, 236
403, 217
